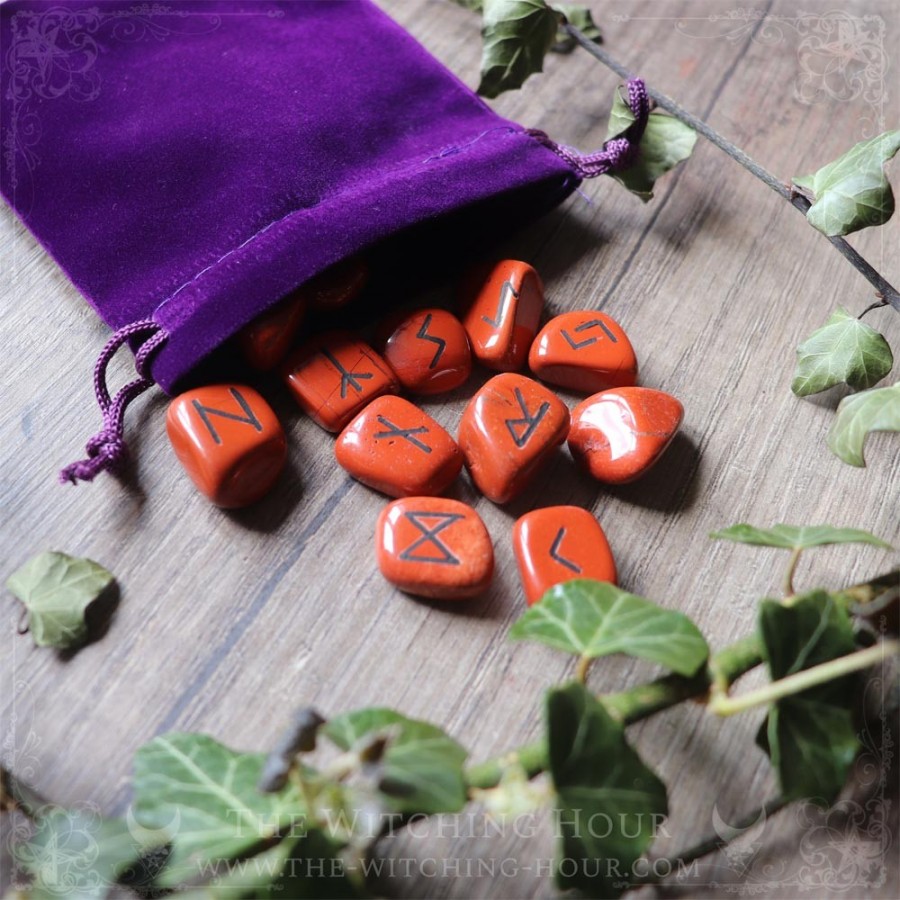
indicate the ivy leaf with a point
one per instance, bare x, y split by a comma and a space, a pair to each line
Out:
77, 853
809, 736
422, 768
204, 796
517, 34
598, 778
852, 192
665, 143
797, 537
574, 14
844, 350
593, 618
57, 589
859, 414
329, 880
812, 746
304, 868
621, 118
242, 878
582, 19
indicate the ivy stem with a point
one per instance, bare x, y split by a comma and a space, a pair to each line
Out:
709, 844
884, 289
789, 575
581, 670
878, 304
807, 678
634, 704
301, 784
645, 700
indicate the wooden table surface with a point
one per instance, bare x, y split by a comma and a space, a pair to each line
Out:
227, 621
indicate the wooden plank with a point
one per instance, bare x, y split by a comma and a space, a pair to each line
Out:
229, 621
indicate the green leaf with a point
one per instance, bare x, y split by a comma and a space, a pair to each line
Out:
304, 868
860, 414
812, 746
621, 118
809, 736
582, 19
57, 590
593, 618
852, 192
78, 854
517, 34
236, 879
812, 630
422, 768
204, 796
797, 537
325, 878
609, 803
844, 350
665, 143
474, 5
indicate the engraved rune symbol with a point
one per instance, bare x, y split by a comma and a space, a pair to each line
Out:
425, 336
577, 345
206, 411
555, 554
407, 433
430, 542
530, 422
347, 378
505, 291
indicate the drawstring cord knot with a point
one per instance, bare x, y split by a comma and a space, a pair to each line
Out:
107, 450
616, 153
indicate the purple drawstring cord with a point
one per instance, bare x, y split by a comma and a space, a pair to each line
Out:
107, 449
616, 153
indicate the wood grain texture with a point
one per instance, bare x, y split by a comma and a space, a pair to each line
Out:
229, 620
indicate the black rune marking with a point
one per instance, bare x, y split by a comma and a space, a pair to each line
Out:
577, 345
555, 554
528, 421
430, 540
248, 418
505, 291
347, 378
406, 433
425, 336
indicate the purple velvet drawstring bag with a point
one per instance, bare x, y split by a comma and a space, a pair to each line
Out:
189, 165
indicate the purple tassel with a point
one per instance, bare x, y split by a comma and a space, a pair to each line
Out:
107, 449
617, 153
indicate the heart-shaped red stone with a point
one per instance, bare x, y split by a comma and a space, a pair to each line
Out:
618, 435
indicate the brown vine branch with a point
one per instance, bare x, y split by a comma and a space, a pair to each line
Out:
884, 289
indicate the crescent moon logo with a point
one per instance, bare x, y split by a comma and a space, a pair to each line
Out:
741, 844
